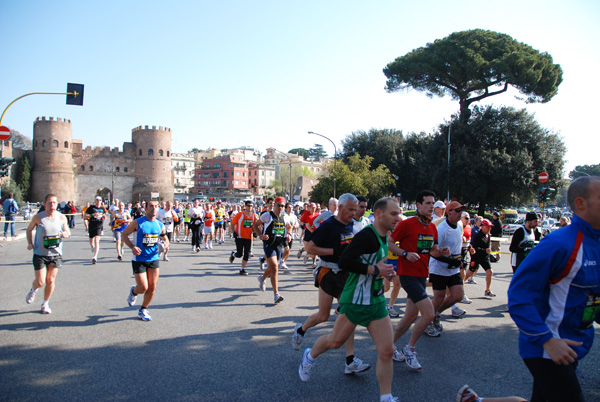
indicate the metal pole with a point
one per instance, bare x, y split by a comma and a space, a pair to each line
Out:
449, 130
334, 159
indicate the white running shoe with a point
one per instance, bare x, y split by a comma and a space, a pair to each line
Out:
165, 258
466, 300
297, 338
30, 296
283, 265
46, 308
357, 366
458, 312
305, 366
277, 298
262, 285
131, 298
432, 331
143, 315
410, 356
471, 281
397, 356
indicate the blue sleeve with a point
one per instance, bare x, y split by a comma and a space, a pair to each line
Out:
529, 289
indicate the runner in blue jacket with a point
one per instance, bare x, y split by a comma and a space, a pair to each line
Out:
554, 298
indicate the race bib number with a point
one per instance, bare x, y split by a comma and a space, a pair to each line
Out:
424, 243
149, 240
197, 222
51, 242
167, 220
591, 310
278, 230
247, 223
119, 223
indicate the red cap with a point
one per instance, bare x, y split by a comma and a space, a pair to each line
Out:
279, 200
486, 222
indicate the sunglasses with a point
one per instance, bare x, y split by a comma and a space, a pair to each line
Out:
280, 205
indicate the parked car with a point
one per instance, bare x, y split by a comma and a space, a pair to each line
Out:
509, 228
548, 225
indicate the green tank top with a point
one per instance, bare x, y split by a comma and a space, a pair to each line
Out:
366, 289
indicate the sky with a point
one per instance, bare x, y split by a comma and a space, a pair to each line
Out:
223, 74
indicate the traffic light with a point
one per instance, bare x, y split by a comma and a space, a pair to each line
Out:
548, 193
542, 194
5, 166
76, 97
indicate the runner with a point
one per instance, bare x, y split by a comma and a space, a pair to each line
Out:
209, 227
169, 218
147, 230
329, 241
291, 225
95, 214
417, 237
241, 227
51, 228
220, 221
120, 220
362, 300
480, 243
178, 209
196, 215
274, 236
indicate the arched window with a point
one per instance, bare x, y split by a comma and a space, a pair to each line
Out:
140, 152
160, 152
66, 144
55, 143
82, 168
150, 152
91, 168
168, 154
125, 169
117, 169
43, 143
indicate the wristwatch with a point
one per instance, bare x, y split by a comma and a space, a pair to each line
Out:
404, 254
376, 268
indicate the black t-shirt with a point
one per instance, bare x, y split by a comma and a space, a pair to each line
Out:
332, 234
96, 214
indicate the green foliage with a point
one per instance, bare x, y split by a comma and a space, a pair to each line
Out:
356, 177
581, 170
303, 152
23, 177
12, 187
472, 65
317, 153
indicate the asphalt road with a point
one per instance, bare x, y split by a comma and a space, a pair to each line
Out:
216, 337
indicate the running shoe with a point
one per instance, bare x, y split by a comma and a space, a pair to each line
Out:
466, 300
197, 249
357, 366
437, 324
431, 331
297, 338
120, 258
392, 312
283, 265
193, 249
305, 366
488, 293
30, 296
398, 356
165, 258
305, 259
206, 246
94, 261
300, 252
466, 394
232, 257
210, 245
143, 315
277, 298
391, 399
410, 356
261, 283
471, 281
458, 312
131, 298
46, 308
243, 272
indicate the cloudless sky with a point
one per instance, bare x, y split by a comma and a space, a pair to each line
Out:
224, 74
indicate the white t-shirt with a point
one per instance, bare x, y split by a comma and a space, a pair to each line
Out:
196, 213
291, 220
447, 237
166, 217
360, 225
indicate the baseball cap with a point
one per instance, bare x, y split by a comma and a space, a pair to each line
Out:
439, 204
486, 222
455, 205
465, 214
99, 198
279, 200
313, 205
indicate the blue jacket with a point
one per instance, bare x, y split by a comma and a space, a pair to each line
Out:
548, 293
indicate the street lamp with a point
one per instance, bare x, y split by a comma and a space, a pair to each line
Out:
334, 158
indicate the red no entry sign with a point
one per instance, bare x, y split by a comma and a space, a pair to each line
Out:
4, 133
543, 177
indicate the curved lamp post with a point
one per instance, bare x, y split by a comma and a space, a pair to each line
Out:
334, 158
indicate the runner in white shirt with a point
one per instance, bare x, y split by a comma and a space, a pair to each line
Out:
167, 216
291, 225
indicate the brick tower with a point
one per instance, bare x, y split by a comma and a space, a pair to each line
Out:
152, 163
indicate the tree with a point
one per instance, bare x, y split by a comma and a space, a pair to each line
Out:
300, 151
23, 178
496, 159
585, 170
317, 153
356, 177
19, 141
472, 65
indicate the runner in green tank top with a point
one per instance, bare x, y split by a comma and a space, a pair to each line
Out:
362, 301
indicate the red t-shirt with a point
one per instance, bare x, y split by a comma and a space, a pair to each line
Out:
467, 233
415, 237
308, 219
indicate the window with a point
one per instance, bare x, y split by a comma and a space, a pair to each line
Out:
43, 143
140, 152
206, 174
160, 152
125, 169
237, 182
82, 168
150, 152
117, 169
215, 174
207, 166
224, 174
217, 166
91, 169
224, 183
55, 143
66, 144
237, 173
168, 154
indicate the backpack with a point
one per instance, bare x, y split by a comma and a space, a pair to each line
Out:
12, 208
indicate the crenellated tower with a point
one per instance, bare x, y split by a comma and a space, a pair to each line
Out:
152, 162
52, 159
